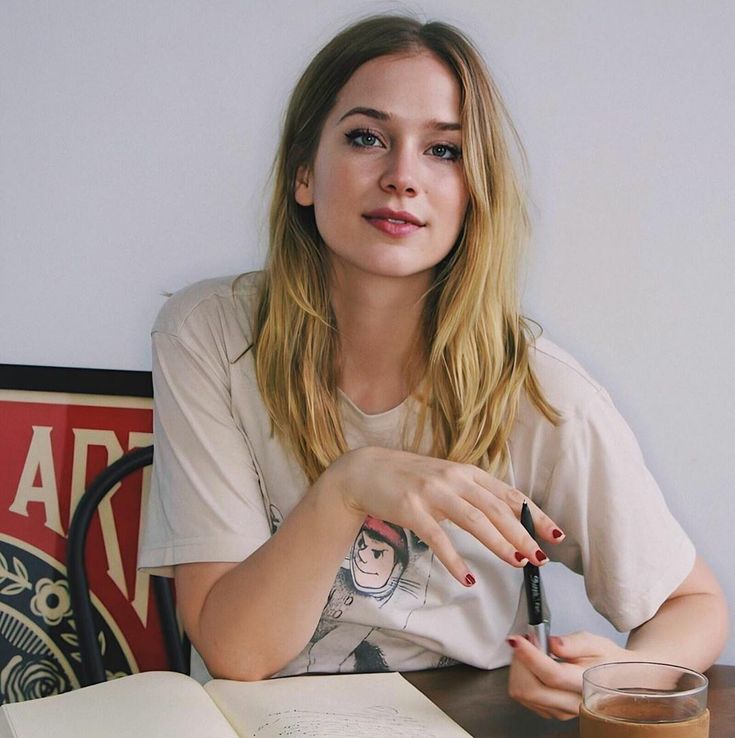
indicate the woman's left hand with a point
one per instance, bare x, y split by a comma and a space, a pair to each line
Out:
551, 688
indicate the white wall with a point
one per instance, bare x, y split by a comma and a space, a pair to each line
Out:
135, 140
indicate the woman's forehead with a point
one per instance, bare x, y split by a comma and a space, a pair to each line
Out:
415, 88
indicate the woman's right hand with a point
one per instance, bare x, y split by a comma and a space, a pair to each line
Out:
419, 492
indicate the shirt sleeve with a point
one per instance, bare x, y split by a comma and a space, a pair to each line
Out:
205, 502
620, 535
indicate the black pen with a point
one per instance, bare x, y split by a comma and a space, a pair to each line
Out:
538, 628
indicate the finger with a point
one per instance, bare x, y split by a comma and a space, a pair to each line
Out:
581, 644
520, 681
525, 687
552, 674
432, 534
545, 527
507, 524
563, 714
546, 714
477, 522
551, 713
548, 702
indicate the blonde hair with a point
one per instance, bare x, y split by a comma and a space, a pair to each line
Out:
476, 362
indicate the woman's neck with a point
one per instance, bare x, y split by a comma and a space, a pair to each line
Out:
380, 326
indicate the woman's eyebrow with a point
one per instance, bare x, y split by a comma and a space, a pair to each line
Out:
383, 116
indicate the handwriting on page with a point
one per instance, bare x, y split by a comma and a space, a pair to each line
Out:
342, 724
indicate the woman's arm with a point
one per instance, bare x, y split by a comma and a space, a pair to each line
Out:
689, 629
248, 620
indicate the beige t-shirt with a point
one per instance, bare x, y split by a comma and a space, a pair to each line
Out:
222, 484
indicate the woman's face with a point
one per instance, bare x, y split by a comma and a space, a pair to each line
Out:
387, 185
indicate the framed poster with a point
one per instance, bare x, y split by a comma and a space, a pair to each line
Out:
59, 427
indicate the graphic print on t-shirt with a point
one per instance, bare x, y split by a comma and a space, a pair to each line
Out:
378, 558
384, 578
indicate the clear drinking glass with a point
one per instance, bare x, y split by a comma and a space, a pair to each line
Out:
641, 699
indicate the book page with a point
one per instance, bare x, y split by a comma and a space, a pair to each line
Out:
155, 704
341, 706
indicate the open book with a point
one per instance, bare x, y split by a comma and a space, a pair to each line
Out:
162, 704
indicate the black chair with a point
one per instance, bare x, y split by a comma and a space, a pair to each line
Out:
177, 646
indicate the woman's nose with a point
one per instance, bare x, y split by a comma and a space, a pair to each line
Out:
400, 174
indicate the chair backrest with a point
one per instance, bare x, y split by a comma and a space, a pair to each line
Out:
176, 645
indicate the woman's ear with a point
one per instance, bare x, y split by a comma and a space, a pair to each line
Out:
303, 187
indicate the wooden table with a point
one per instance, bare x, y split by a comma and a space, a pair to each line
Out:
478, 700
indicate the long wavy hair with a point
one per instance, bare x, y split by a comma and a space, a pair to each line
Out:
476, 343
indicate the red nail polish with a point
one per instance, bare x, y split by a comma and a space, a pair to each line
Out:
470, 580
556, 533
512, 643
541, 556
519, 556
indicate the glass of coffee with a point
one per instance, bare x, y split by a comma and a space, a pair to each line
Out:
643, 700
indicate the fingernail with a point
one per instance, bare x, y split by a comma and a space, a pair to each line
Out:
541, 556
556, 533
557, 640
470, 580
520, 557
512, 642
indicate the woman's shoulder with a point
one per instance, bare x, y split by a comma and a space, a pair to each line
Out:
536, 443
221, 307
564, 382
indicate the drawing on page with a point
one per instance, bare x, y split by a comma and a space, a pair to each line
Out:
337, 724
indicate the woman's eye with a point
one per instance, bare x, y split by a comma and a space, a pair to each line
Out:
363, 139
446, 151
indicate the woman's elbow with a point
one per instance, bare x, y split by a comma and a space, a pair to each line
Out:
223, 666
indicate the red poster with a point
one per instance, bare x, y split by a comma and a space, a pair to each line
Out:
52, 444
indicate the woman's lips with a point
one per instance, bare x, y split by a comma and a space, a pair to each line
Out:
393, 227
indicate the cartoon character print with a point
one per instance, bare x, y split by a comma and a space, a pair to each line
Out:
384, 578
378, 558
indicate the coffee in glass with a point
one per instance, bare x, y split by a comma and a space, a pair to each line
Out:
643, 700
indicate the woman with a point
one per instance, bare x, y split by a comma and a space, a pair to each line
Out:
344, 442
